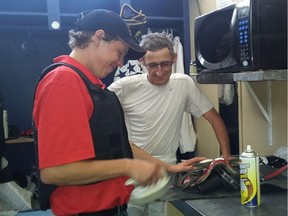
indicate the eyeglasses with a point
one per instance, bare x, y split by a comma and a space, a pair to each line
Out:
164, 65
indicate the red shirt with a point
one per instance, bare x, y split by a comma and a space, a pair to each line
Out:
62, 109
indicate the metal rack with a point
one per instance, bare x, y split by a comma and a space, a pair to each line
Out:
228, 78
261, 75
247, 77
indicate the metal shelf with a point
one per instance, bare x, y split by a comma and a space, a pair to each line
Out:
261, 75
228, 78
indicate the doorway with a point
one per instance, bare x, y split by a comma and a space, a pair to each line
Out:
229, 114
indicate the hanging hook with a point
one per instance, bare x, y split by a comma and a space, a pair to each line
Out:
24, 44
28, 44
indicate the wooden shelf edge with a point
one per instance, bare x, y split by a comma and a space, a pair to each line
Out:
20, 140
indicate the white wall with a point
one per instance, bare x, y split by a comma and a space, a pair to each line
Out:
254, 126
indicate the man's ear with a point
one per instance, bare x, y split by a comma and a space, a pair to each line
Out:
141, 60
98, 35
174, 58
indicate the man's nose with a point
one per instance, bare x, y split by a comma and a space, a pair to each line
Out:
160, 72
120, 62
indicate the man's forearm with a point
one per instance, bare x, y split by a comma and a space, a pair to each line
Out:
184, 166
220, 131
224, 143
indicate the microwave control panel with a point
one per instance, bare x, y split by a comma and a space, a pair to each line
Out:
243, 33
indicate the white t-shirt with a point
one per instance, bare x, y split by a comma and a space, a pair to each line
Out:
153, 114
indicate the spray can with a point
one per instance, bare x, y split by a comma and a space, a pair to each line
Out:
249, 178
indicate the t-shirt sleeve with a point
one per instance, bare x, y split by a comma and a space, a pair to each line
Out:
197, 103
117, 87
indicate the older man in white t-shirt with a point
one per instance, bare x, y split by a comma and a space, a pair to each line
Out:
154, 104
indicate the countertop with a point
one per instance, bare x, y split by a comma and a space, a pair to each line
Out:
273, 202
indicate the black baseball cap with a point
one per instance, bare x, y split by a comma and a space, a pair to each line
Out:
113, 24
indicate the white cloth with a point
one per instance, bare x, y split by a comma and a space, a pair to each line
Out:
187, 139
226, 93
143, 101
178, 66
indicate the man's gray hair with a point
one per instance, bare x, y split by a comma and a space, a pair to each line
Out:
81, 39
157, 41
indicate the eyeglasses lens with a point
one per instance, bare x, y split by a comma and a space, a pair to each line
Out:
164, 65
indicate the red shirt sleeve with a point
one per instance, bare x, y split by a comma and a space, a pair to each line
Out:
62, 110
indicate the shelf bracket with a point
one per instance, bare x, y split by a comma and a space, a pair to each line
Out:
267, 114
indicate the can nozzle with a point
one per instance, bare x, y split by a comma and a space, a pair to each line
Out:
249, 149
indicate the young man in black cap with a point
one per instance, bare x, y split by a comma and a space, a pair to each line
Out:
83, 152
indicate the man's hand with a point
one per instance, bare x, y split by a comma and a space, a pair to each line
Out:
184, 166
228, 157
145, 172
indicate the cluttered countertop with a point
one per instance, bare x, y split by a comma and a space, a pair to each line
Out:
220, 200
217, 192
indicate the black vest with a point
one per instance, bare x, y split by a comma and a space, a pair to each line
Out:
107, 126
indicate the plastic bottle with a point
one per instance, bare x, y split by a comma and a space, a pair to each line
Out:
5, 124
249, 178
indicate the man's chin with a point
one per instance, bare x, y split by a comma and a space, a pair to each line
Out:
104, 74
161, 82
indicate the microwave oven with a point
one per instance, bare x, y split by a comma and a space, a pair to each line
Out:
247, 35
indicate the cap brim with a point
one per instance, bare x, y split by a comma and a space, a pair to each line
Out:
135, 51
